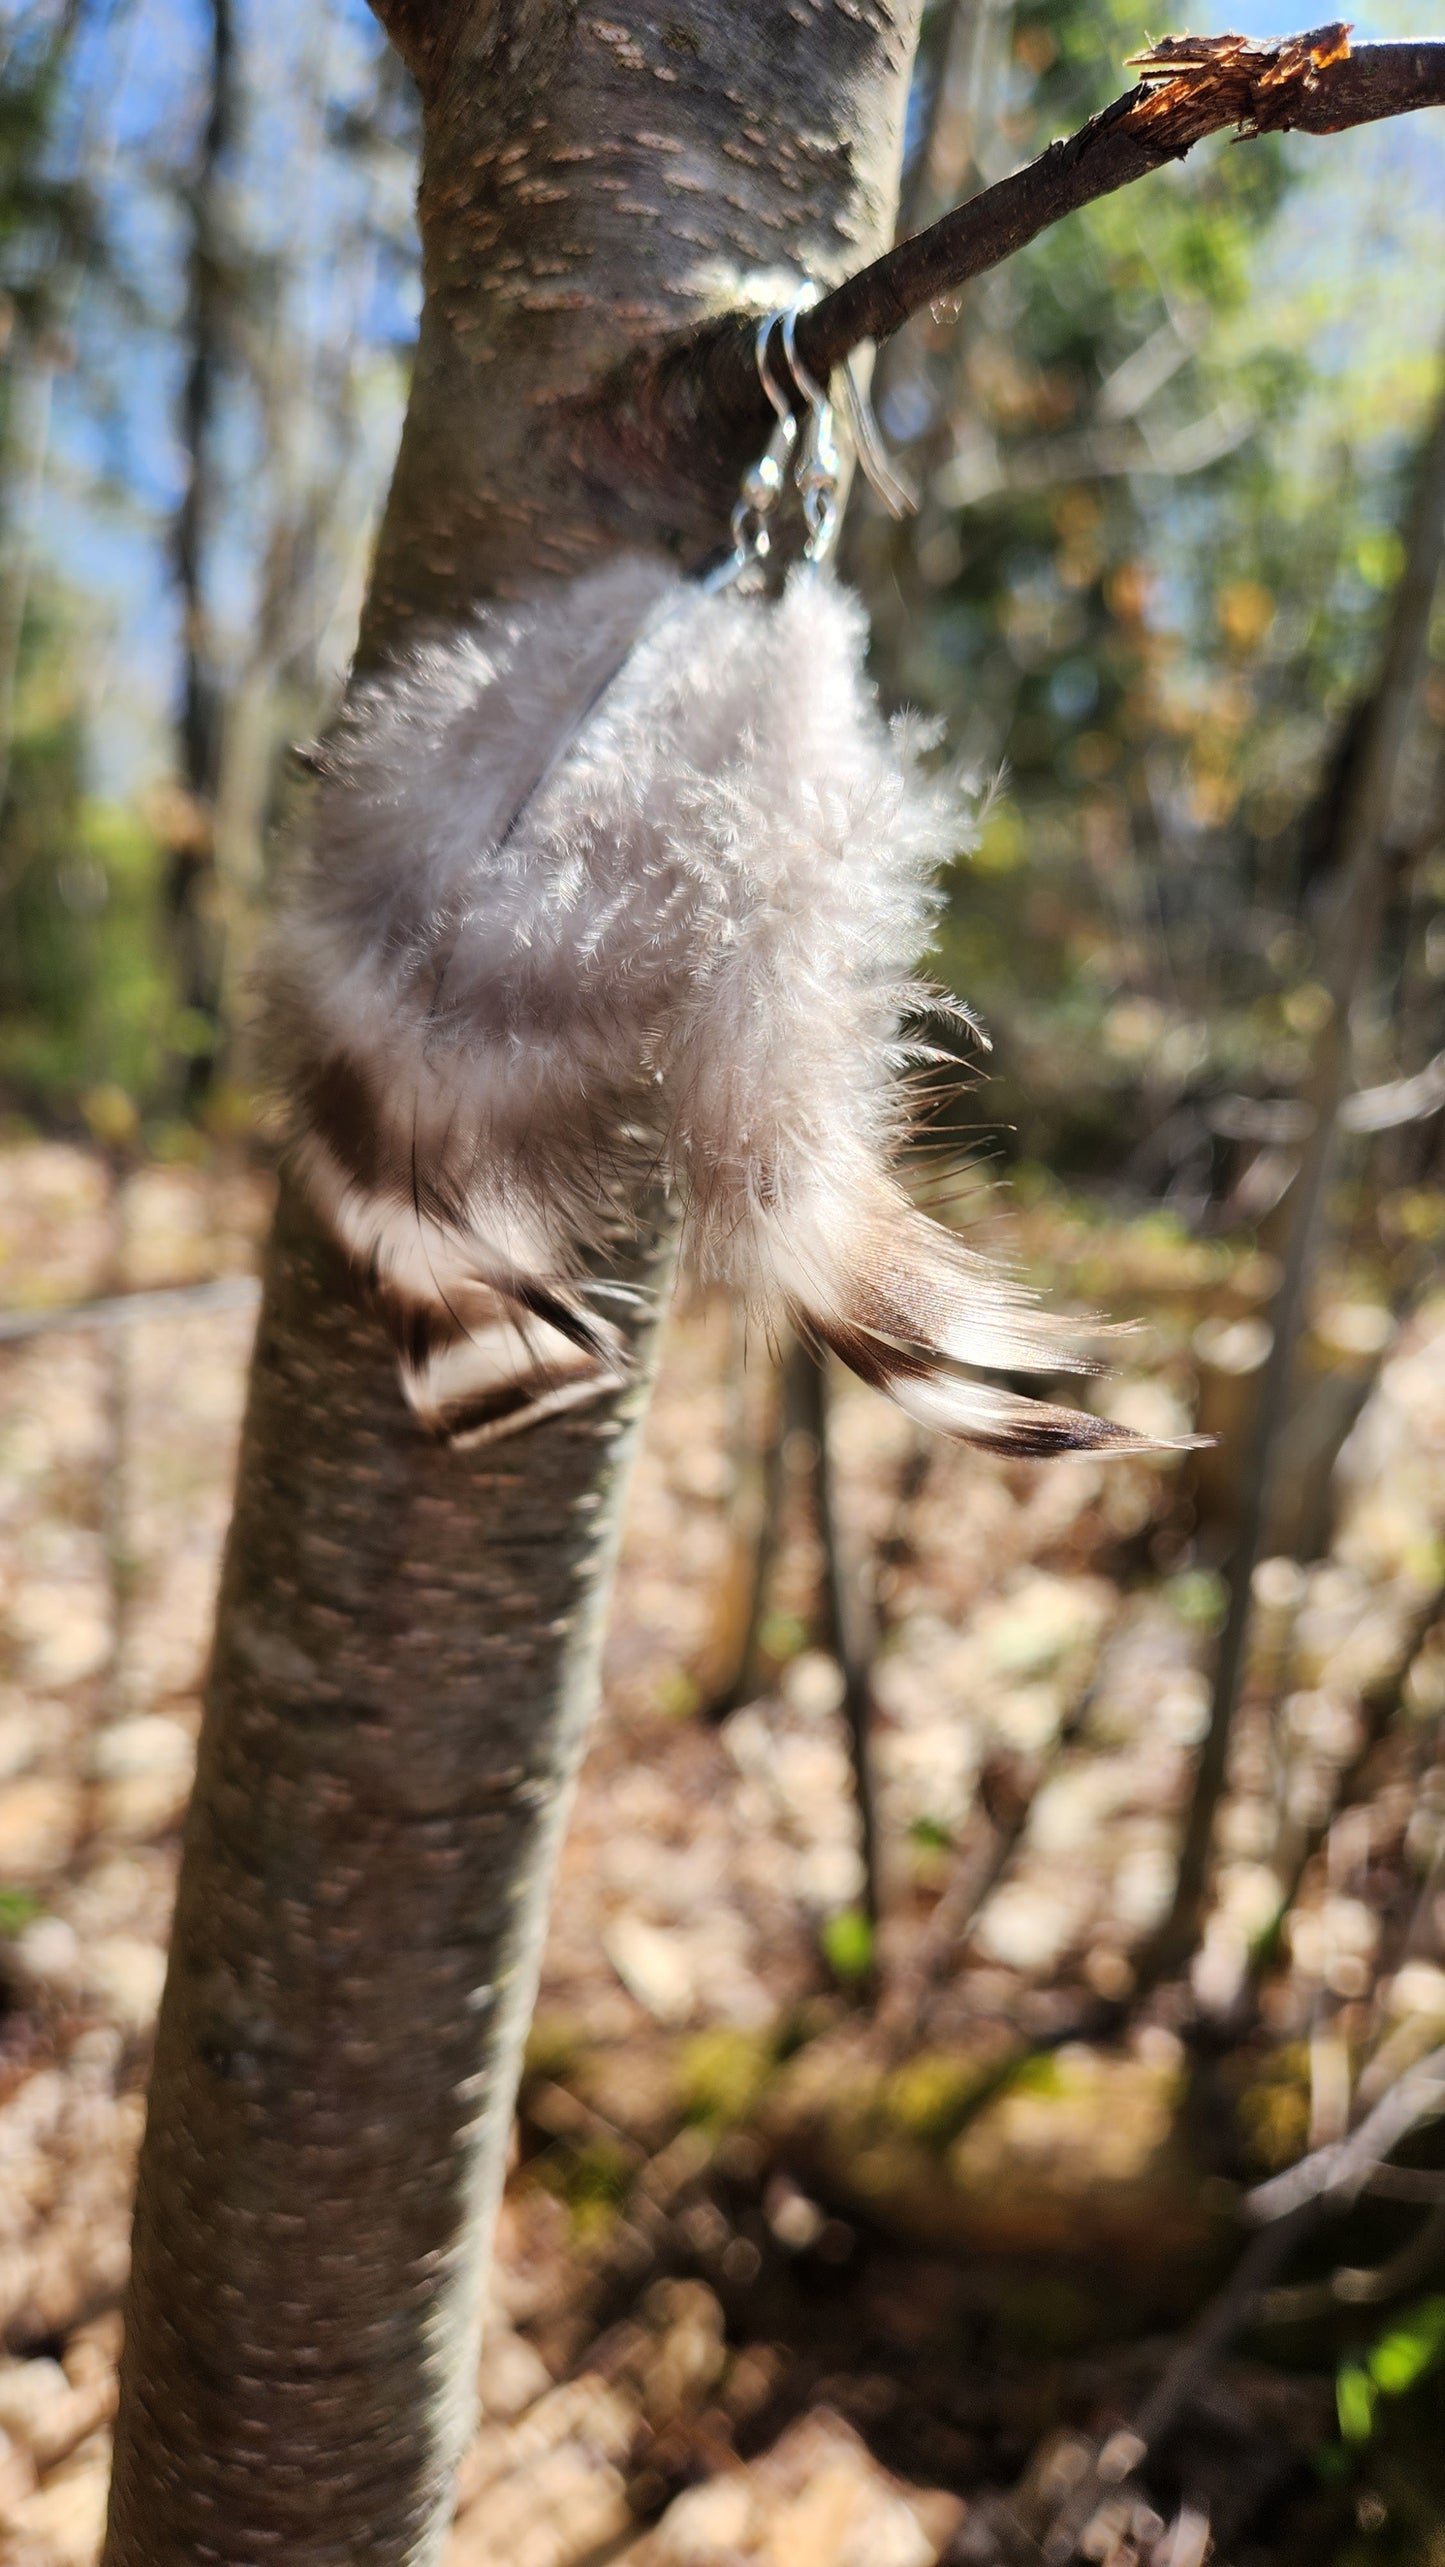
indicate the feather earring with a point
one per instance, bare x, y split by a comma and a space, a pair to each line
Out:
634, 880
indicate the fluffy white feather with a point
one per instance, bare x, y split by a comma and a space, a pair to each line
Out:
633, 879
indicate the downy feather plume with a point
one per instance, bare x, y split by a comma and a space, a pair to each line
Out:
633, 880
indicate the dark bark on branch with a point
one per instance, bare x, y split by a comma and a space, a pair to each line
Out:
1312, 84
1306, 84
648, 450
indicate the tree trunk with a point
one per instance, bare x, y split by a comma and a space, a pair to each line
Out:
407, 1643
211, 284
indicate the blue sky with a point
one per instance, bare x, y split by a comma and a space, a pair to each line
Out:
116, 470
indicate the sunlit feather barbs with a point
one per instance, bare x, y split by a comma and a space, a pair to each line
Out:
633, 882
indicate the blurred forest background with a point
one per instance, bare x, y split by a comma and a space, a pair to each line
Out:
944, 2188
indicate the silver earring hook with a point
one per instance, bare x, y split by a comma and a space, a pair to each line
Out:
811, 390
814, 456
818, 465
882, 475
763, 482
762, 340
897, 494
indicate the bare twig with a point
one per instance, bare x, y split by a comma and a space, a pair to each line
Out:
704, 391
756, 1515
1360, 2286
978, 1866
129, 1309
1339, 2173
1246, 2299
1227, 2314
846, 1633
1231, 2310
1379, 1704
1401, 1100
1289, 2208
1189, 87
845, 1627
1283, 1121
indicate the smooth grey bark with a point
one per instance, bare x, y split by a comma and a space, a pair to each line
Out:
406, 1651
405, 1667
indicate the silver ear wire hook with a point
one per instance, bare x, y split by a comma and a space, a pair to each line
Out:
811, 390
762, 483
762, 341
897, 494
813, 455
818, 465
883, 476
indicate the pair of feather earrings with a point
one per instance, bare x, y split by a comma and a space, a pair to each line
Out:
633, 881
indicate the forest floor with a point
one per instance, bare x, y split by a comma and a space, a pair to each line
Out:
820, 2249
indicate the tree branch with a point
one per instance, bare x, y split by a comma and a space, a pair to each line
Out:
669, 405
1190, 87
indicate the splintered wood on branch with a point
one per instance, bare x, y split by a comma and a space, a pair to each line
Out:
1189, 87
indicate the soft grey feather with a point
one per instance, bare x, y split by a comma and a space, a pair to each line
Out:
632, 880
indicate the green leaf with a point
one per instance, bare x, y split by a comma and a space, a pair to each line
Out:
848, 1944
782, 1636
18, 1908
1411, 2348
931, 1835
1200, 1598
1355, 2395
